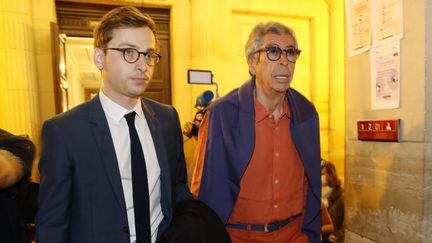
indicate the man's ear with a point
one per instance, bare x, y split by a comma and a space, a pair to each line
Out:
99, 58
252, 65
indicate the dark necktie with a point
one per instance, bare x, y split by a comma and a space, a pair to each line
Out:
139, 184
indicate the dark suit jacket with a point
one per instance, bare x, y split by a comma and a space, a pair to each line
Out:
80, 196
230, 143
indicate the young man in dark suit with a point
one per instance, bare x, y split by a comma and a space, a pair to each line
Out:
89, 187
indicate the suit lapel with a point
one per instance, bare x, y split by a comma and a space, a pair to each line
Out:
161, 153
106, 149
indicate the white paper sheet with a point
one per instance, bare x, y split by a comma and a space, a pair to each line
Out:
385, 72
358, 26
387, 20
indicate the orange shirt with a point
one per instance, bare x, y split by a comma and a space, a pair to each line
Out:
199, 156
273, 185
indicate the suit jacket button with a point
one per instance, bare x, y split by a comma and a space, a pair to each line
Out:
126, 229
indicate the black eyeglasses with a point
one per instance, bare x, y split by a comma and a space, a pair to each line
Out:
274, 53
132, 55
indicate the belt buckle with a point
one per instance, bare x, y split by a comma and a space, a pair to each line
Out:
266, 228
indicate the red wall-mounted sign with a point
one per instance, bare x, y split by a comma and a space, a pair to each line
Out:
379, 130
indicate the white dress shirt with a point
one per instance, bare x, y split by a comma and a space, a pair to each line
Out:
120, 136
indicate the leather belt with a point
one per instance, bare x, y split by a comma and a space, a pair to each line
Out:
266, 227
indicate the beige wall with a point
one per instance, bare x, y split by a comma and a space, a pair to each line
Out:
427, 180
25, 57
44, 13
19, 109
387, 185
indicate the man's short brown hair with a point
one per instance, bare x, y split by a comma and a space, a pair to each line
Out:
121, 17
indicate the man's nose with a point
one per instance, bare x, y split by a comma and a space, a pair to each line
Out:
141, 64
284, 58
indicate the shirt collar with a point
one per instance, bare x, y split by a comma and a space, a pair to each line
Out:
261, 112
115, 111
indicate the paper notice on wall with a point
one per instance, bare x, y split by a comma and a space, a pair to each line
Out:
387, 20
358, 26
385, 72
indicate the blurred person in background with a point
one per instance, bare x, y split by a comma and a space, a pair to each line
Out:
333, 197
327, 227
16, 159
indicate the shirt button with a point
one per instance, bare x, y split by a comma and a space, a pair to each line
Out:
276, 181
277, 154
270, 116
275, 206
